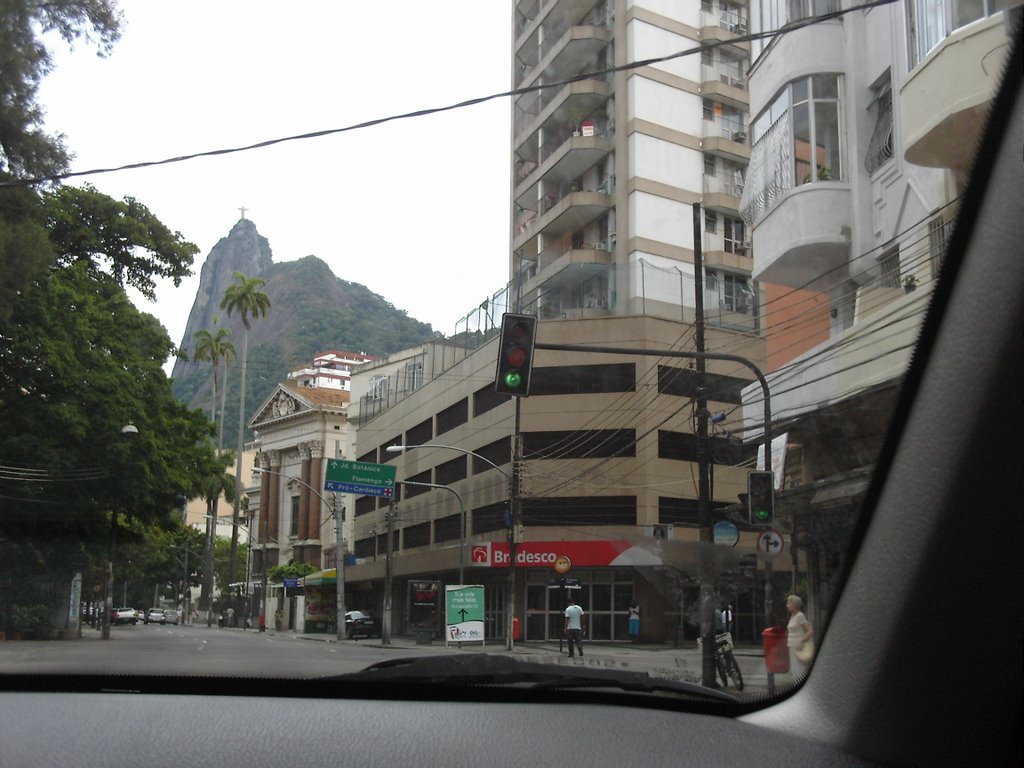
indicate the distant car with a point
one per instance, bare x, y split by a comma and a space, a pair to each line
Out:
156, 616
123, 616
140, 616
361, 624
172, 615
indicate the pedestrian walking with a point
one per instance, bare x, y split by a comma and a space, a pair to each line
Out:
574, 626
634, 620
799, 634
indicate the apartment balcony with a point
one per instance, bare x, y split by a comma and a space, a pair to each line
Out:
945, 98
573, 157
575, 52
727, 139
543, 130
549, 21
557, 217
804, 240
723, 192
724, 26
559, 269
725, 85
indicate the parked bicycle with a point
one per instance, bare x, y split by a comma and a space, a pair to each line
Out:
725, 662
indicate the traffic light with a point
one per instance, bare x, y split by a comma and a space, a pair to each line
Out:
761, 497
515, 354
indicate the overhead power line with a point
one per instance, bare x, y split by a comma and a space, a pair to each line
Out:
708, 45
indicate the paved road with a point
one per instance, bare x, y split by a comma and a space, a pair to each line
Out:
201, 650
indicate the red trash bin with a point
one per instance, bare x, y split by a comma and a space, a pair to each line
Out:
776, 653
515, 628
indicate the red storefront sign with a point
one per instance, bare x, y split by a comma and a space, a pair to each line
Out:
561, 555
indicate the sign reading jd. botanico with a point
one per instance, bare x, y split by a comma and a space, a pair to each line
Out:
563, 555
464, 613
359, 477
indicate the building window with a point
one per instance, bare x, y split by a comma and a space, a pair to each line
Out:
889, 262
880, 147
710, 222
939, 230
293, 529
932, 21
453, 416
587, 444
796, 141
709, 165
735, 235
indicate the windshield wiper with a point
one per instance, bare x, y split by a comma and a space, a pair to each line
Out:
495, 669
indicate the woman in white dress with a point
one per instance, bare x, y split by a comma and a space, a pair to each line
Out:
798, 637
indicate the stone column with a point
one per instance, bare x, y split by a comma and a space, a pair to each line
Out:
314, 533
274, 508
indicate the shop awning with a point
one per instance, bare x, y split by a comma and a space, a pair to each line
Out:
320, 578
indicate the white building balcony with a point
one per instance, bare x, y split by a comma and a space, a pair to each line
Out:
804, 240
945, 98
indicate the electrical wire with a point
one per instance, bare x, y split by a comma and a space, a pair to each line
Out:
707, 45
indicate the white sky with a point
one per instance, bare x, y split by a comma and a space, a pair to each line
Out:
416, 210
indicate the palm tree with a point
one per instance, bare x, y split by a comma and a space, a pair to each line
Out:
214, 347
217, 483
244, 297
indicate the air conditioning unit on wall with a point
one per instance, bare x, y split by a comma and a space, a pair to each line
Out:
659, 531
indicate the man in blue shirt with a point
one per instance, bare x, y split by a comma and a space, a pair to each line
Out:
574, 626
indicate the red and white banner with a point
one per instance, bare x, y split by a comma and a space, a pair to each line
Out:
563, 555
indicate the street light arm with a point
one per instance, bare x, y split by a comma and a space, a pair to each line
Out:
317, 493
403, 448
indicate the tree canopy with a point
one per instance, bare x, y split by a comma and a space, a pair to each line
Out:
78, 362
25, 148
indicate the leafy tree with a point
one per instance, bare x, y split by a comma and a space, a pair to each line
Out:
245, 298
120, 238
77, 363
25, 149
25, 250
290, 571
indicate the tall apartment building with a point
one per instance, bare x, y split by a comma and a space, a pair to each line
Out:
863, 127
608, 163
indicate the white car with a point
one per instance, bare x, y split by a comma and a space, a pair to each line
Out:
123, 616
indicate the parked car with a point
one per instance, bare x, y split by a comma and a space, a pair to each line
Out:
171, 615
123, 616
361, 624
156, 616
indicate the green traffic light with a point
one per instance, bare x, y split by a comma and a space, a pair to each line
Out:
513, 379
761, 514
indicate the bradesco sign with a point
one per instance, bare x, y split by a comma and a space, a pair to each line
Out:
562, 555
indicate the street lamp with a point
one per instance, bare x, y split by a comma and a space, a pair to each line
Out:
339, 553
128, 431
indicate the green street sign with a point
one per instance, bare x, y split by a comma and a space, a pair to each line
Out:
360, 477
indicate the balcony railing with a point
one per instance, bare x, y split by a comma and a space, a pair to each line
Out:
721, 73
726, 128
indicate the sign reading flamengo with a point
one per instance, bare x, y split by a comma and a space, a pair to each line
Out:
360, 477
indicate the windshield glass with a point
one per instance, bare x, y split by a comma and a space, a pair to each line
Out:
615, 401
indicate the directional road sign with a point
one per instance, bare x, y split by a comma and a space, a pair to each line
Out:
464, 613
770, 542
360, 477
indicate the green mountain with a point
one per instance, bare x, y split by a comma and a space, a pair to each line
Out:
311, 311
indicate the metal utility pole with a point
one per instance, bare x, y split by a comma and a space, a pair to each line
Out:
389, 518
515, 533
707, 596
339, 556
